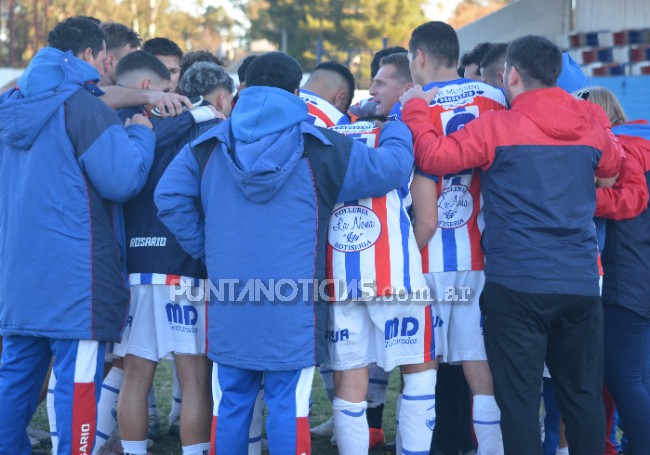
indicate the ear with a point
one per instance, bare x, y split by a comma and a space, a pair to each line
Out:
145, 84
220, 101
340, 98
500, 78
87, 55
513, 76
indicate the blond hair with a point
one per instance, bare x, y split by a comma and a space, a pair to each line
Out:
605, 99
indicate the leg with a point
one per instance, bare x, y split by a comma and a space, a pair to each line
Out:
177, 398
107, 408
376, 398
626, 356
133, 412
234, 391
515, 341
195, 375
287, 396
24, 365
486, 413
349, 410
575, 361
79, 370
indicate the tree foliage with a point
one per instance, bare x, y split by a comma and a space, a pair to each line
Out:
468, 11
350, 30
24, 24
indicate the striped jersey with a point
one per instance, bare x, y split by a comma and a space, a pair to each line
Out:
371, 249
322, 112
161, 278
456, 245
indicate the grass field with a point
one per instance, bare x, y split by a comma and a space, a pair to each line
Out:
320, 412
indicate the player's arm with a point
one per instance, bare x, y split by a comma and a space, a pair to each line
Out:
119, 97
375, 172
425, 208
629, 195
468, 148
177, 198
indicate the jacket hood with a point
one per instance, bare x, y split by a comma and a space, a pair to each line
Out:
263, 140
559, 114
50, 79
572, 78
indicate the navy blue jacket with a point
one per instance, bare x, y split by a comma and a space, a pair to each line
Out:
254, 196
65, 158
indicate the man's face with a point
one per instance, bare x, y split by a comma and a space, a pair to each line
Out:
386, 88
173, 64
113, 58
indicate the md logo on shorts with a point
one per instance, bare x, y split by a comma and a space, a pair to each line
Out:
334, 336
179, 316
409, 327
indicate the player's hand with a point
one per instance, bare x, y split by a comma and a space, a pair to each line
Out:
138, 119
417, 92
169, 104
217, 113
606, 182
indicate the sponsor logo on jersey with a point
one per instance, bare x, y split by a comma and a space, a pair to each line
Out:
84, 438
455, 207
353, 228
453, 96
182, 318
137, 242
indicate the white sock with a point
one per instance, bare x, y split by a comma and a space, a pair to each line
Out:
417, 414
197, 449
562, 451
153, 405
134, 447
177, 395
351, 427
487, 419
398, 436
51, 413
255, 432
107, 407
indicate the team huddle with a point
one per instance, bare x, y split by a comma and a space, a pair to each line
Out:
146, 214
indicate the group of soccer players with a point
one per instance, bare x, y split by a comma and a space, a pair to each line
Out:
255, 239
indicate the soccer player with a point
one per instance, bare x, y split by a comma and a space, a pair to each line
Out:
375, 279
160, 324
541, 297
453, 258
169, 53
267, 181
328, 93
120, 40
68, 159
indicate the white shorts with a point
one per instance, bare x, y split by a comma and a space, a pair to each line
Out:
382, 331
457, 319
162, 322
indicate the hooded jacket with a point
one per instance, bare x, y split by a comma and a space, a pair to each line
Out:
626, 258
65, 158
538, 161
267, 181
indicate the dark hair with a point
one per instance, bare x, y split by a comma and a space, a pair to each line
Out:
537, 59
241, 71
342, 71
275, 69
495, 54
401, 62
119, 35
162, 46
141, 61
203, 78
438, 40
77, 34
476, 54
379, 55
191, 58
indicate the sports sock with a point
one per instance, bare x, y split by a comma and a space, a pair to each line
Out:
197, 449
107, 407
375, 414
398, 436
153, 405
177, 395
350, 427
562, 451
134, 447
417, 414
487, 419
255, 432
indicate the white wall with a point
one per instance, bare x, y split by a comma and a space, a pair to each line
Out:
614, 15
549, 18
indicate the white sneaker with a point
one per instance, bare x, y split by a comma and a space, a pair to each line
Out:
324, 430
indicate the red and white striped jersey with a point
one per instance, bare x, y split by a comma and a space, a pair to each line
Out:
322, 112
371, 248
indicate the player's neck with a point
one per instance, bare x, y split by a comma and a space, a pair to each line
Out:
442, 74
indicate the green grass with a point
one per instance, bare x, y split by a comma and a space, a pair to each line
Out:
321, 410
